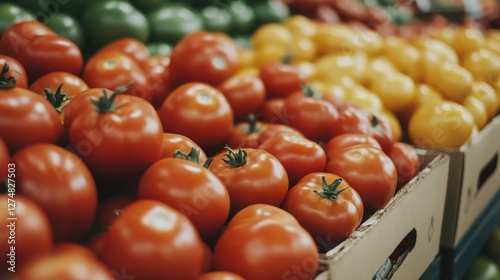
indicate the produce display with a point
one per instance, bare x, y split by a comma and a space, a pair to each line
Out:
236, 140
487, 264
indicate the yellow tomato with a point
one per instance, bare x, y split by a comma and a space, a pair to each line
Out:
363, 98
477, 109
397, 130
307, 68
496, 86
493, 45
396, 90
335, 90
341, 38
438, 48
379, 65
302, 49
269, 53
249, 71
445, 35
467, 39
423, 94
407, 59
441, 125
246, 58
483, 64
486, 94
272, 33
301, 26
368, 41
331, 66
453, 81
493, 34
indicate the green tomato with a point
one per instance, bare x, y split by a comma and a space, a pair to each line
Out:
105, 22
147, 6
482, 268
67, 26
242, 17
159, 49
172, 22
492, 246
216, 19
270, 11
12, 13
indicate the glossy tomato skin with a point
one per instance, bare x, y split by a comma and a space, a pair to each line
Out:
200, 112
41, 170
367, 170
249, 245
407, 162
32, 233
261, 178
132, 47
16, 70
79, 103
339, 142
351, 120
331, 219
280, 79
381, 130
173, 142
274, 111
46, 53
27, 118
189, 188
297, 154
19, 34
159, 78
245, 94
113, 69
215, 53
144, 241
220, 275
245, 134
100, 139
4, 159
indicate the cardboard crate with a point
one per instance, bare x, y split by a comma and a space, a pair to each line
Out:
414, 214
433, 272
473, 181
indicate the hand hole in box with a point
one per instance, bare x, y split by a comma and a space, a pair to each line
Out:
487, 171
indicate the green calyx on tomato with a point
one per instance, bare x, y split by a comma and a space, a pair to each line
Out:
193, 155
105, 104
6, 82
252, 124
330, 191
55, 98
235, 159
309, 92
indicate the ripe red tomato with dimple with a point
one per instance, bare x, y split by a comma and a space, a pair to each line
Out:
245, 134
19, 34
251, 176
159, 78
281, 79
205, 57
274, 111
113, 69
132, 47
326, 206
61, 184
250, 246
48, 53
220, 275
339, 142
173, 142
16, 70
30, 233
351, 120
381, 130
367, 170
101, 127
245, 94
300, 156
199, 112
191, 189
151, 240
27, 118
405, 158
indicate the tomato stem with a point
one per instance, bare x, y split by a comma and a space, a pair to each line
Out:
235, 159
106, 104
376, 124
252, 124
287, 59
193, 155
57, 98
330, 191
6, 82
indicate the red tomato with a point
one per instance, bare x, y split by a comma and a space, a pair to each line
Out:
326, 206
30, 235
245, 134
159, 78
191, 189
45, 169
96, 243
273, 129
251, 246
4, 160
132, 47
407, 162
311, 115
151, 240
369, 171
107, 208
352, 120
47, 53
339, 142
220, 275
175, 142
251, 176
15, 70
199, 112
118, 136
66, 265
208, 259
27, 118
245, 94
274, 111
260, 212
70, 85
205, 57
298, 155
19, 34
280, 79
381, 130
72, 248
